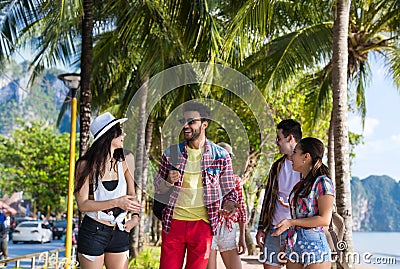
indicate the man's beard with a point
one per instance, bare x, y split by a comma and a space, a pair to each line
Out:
195, 134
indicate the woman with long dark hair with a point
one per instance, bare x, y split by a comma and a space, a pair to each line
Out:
311, 204
104, 190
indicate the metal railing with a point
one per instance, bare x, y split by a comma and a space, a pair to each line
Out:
48, 259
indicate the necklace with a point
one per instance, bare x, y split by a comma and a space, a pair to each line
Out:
110, 172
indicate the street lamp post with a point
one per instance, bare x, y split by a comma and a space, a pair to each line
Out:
72, 81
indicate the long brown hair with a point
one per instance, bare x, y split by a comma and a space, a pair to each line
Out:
92, 164
315, 148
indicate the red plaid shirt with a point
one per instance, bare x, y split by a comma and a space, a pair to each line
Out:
241, 214
216, 173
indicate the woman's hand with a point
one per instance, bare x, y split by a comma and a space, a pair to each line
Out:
282, 226
283, 203
242, 245
129, 203
131, 223
229, 208
260, 238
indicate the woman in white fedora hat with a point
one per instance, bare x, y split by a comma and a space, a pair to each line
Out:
104, 190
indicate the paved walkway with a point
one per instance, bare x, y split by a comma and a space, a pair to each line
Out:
248, 262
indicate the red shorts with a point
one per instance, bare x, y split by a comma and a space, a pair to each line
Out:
195, 237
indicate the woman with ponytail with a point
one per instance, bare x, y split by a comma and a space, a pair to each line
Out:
311, 204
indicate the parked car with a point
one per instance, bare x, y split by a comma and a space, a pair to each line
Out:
32, 231
19, 220
59, 228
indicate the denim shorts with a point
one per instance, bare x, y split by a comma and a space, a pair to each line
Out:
95, 238
224, 239
310, 247
272, 246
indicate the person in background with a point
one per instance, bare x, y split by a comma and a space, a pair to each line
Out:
2, 216
74, 234
311, 205
225, 239
201, 172
281, 180
4, 241
11, 227
104, 190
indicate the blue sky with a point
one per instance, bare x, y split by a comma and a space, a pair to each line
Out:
379, 153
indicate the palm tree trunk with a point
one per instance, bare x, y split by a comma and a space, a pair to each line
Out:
251, 247
149, 135
156, 225
340, 109
140, 173
331, 149
86, 69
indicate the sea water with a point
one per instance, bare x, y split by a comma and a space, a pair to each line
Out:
378, 249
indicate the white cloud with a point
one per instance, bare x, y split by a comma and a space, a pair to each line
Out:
369, 126
380, 73
366, 150
395, 138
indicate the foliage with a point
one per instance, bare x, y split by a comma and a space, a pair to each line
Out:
149, 258
354, 140
35, 159
290, 101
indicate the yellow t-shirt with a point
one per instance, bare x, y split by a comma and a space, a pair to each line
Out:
190, 204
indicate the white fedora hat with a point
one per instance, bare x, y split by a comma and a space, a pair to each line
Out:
103, 123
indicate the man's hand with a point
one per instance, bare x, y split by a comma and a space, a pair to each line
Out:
229, 208
173, 176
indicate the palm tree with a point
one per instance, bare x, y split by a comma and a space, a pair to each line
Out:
86, 72
301, 42
339, 113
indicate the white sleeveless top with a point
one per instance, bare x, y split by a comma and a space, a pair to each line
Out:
102, 194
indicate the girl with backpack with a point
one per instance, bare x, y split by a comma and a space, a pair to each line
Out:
311, 204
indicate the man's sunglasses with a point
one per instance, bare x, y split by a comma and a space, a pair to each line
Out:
189, 121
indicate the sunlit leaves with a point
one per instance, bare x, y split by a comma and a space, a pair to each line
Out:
35, 159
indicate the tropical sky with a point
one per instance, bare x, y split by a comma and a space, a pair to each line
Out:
380, 153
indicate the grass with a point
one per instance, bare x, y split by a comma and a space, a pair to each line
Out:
149, 258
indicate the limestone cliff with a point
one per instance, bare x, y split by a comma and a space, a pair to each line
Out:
376, 204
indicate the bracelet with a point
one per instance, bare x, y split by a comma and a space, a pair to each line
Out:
136, 214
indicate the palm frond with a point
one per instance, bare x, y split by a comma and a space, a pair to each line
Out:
318, 88
291, 54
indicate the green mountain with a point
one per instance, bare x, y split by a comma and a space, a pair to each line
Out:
21, 99
376, 204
